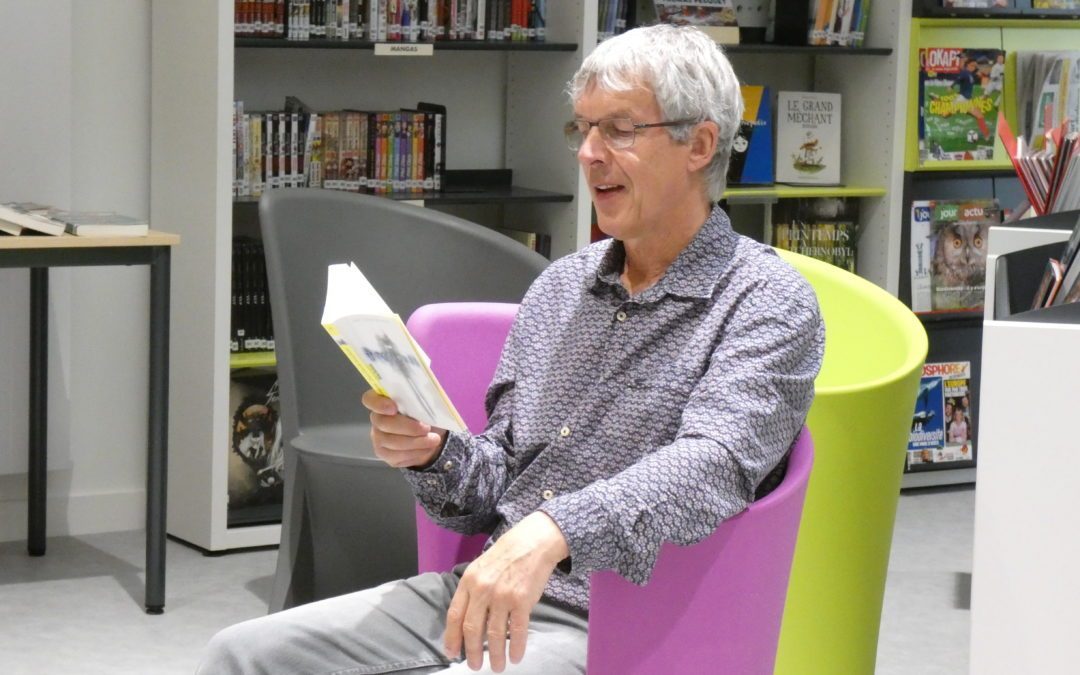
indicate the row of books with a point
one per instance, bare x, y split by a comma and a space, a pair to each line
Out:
251, 320
807, 125
1050, 176
611, 18
1060, 284
357, 151
391, 20
17, 218
824, 228
949, 241
838, 22
1011, 4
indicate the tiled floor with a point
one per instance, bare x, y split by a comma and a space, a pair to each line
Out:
78, 609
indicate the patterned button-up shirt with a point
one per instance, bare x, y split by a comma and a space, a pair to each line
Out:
634, 420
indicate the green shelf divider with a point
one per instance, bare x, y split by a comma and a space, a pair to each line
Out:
252, 360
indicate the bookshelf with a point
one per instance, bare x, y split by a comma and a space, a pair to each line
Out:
506, 108
505, 105
959, 335
868, 79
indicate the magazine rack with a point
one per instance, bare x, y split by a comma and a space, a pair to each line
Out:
1024, 614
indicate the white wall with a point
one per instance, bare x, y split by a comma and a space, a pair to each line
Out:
74, 132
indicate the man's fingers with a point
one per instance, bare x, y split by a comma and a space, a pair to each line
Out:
455, 615
427, 442
519, 634
473, 633
378, 403
399, 424
496, 639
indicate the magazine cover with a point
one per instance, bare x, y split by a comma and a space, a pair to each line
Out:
958, 241
960, 93
941, 425
920, 256
255, 455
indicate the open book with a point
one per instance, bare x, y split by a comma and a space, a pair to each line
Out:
378, 344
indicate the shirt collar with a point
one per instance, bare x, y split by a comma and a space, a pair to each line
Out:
695, 271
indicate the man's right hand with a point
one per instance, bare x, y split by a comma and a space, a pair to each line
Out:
401, 441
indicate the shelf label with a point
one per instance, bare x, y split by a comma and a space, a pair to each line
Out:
404, 49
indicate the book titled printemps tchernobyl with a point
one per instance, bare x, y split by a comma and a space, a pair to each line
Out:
376, 341
808, 138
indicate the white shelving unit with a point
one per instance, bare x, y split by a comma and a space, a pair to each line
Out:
1024, 610
505, 111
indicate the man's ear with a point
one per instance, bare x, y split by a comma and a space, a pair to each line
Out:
703, 141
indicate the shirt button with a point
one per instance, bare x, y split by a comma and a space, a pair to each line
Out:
547, 494
620, 315
564, 432
448, 466
432, 482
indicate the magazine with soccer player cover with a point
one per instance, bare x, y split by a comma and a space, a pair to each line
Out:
960, 93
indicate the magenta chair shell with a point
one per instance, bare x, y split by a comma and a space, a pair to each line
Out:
713, 607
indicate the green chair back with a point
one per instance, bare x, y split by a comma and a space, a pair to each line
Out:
860, 421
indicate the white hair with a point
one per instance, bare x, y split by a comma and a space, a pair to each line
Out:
688, 74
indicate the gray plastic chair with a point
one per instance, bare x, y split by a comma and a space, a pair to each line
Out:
348, 521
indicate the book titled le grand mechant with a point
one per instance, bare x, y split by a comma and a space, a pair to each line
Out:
377, 342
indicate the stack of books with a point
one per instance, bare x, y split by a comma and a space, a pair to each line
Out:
1050, 176
17, 218
1060, 284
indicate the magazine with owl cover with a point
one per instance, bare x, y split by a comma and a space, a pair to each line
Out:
960, 93
958, 234
941, 424
256, 461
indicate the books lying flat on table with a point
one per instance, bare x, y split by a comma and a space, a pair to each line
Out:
100, 223
378, 344
18, 216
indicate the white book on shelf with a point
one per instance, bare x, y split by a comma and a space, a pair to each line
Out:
808, 138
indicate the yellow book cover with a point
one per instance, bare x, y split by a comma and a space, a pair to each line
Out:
376, 341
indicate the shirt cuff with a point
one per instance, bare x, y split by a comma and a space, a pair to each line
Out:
434, 484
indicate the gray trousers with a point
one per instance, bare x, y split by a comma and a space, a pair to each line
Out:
394, 628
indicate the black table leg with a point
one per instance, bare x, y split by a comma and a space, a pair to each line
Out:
39, 408
158, 438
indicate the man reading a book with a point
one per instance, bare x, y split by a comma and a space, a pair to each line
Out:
651, 387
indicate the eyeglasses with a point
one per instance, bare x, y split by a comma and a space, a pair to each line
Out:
618, 133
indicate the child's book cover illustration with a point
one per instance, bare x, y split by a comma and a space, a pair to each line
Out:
808, 138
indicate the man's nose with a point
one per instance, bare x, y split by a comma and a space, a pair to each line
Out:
592, 148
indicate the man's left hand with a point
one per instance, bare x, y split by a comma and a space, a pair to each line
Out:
499, 589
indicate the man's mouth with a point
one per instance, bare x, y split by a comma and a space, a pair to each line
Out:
607, 188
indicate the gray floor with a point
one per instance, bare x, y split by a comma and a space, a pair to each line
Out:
78, 609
